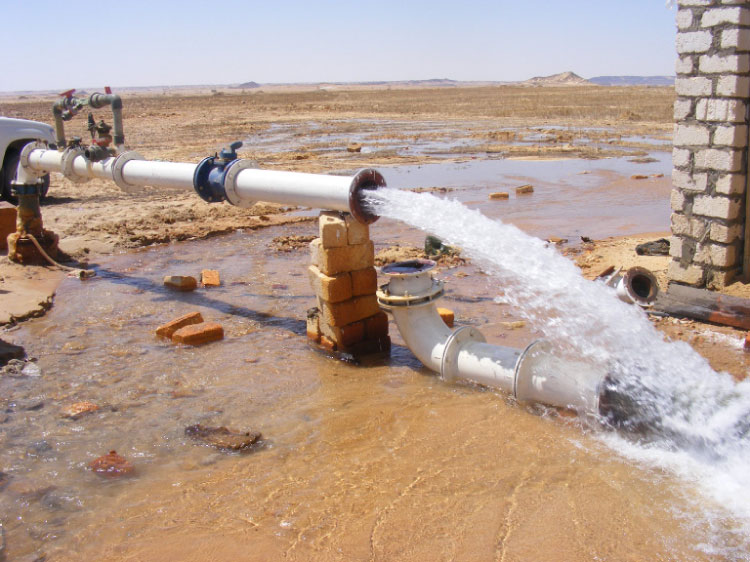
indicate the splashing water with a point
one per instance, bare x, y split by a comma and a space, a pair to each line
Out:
684, 416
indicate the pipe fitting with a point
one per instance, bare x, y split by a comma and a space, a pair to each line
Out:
117, 167
96, 153
636, 285
366, 179
67, 168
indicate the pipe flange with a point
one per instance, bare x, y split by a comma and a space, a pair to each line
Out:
117, 167
389, 301
364, 180
34, 145
523, 378
66, 161
452, 347
230, 182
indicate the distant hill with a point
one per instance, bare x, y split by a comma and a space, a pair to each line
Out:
247, 85
633, 80
562, 79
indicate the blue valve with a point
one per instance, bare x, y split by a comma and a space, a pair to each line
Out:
208, 179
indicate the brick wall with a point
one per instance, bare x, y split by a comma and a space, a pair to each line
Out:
710, 141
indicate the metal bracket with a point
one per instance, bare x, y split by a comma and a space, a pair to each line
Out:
388, 300
117, 167
230, 182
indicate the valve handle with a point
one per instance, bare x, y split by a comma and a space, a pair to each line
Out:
230, 152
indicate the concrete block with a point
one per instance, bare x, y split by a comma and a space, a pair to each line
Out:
730, 135
689, 274
332, 261
684, 65
738, 39
693, 41
446, 314
684, 19
346, 335
722, 160
199, 334
364, 281
499, 195
689, 182
8, 216
331, 288
733, 86
313, 325
695, 2
718, 16
210, 278
725, 234
181, 282
724, 256
683, 109
680, 224
693, 87
376, 326
731, 111
730, 184
369, 347
691, 135
332, 228
168, 329
675, 246
719, 280
524, 189
716, 207
677, 200
681, 157
348, 312
357, 232
717, 64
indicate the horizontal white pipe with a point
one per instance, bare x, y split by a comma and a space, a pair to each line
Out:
489, 365
293, 188
288, 188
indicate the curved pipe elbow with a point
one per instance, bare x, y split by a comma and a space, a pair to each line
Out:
424, 333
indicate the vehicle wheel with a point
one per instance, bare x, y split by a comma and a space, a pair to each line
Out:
8, 174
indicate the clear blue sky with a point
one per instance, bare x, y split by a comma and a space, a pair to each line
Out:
58, 45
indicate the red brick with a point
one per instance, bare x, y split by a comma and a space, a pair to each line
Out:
348, 312
7, 223
199, 334
344, 335
210, 278
376, 326
331, 288
364, 281
447, 315
181, 282
331, 261
166, 330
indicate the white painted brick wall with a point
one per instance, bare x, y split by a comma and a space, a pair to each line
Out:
733, 86
716, 207
680, 157
698, 86
675, 247
691, 135
718, 16
723, 160
731, 135
680, 225
682, 109
684, 19
714, 109
684, 65
677, 200
730, 184
689, 182
714, 64
725, 234
694, 41
735, 39
690, 274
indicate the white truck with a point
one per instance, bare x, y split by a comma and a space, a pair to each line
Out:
14, 134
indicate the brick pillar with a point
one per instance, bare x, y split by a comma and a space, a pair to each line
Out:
710, 141
347, 318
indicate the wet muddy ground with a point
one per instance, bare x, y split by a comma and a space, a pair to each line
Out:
376, 461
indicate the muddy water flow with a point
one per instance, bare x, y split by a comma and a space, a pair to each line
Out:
379, 461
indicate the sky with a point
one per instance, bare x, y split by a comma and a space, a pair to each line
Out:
53, 45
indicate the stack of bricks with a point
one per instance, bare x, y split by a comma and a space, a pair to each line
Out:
710, 141
347, 318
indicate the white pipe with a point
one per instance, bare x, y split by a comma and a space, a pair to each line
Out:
337, 193
534, 374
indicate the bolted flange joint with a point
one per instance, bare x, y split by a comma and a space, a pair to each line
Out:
210, 174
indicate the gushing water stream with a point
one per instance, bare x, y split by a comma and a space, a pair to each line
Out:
682, 415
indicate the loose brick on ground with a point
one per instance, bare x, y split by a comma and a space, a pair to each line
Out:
168, 329
447, 315
181, 282
199, 334
210, 278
